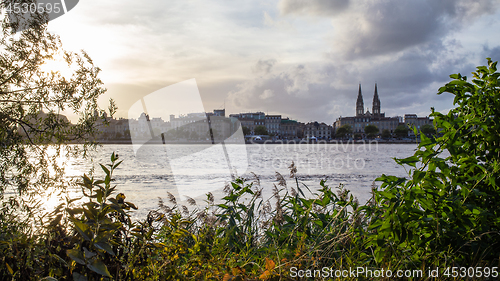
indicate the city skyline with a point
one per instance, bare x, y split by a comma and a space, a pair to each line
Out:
355, 111
288, 57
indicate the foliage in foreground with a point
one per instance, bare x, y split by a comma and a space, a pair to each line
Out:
444, 214
243, 238
447, 212
32, 98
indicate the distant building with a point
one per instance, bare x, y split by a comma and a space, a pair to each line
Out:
219, 112
273, 124
288, 129
363, 119
118, 128
413, 120
197, 126
318, 130
251, 120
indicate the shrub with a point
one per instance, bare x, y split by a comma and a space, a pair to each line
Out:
447, 212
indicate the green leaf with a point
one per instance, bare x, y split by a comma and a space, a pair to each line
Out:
76, 255
83, 229
105, 247
117, 164
408, 161
99, 196
74, 211
106, 170
131, 205
99, 267
98, 182
57, 257
78, 277
379, 255
88, 254
235, 186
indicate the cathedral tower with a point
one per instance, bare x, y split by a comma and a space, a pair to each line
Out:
376, 103
359, 103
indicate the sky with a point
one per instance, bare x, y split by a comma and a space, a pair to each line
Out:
301, 59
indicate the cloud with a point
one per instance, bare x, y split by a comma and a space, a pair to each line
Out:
281, 24
264, 66
493, 53
297, 91
367, 28
298, 79
267, 94
313, 7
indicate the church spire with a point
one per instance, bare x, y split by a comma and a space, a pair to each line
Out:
376, 103
359, 103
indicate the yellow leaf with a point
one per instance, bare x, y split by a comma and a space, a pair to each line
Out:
237, 270
9, 268
265, 275
227, 277
270, 264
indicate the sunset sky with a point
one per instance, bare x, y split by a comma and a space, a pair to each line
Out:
301, 59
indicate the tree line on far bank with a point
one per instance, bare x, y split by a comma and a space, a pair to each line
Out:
372, 131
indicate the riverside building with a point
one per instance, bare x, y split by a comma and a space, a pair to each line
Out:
363, 119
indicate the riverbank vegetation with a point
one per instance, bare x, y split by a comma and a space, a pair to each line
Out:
444, 214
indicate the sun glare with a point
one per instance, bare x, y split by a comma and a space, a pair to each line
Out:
57, 65
53, 196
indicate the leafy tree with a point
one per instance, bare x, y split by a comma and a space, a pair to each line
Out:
246, 131
33, 138
32, 98
447, 212
260, 130
344, 131
386, 134
401, 131
371, 131
428, 130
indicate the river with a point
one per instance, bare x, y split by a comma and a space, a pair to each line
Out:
149, 172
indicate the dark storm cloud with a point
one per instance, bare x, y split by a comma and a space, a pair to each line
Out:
407, 82
407, 47
369, 28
